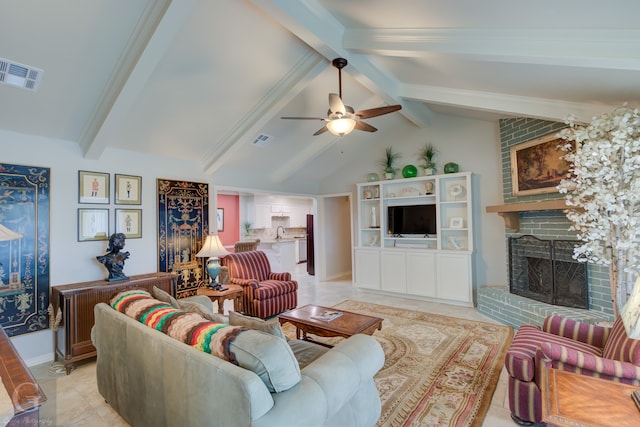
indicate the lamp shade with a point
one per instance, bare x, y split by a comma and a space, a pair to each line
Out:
630, 313
212, 247
6, 234
341, 127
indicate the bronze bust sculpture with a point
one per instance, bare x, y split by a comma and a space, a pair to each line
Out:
114, 259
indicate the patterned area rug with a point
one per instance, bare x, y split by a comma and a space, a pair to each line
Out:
439, 370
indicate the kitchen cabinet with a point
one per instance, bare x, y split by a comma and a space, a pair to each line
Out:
262, 216
298, 216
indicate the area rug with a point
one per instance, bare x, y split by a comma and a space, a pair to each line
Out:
438, 371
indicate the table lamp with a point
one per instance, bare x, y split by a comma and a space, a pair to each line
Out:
212, 249
630, 312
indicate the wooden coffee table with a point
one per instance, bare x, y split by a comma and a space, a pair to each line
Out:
344, 326
570, 400
233, 292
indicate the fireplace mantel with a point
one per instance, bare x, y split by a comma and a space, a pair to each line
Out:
511, 211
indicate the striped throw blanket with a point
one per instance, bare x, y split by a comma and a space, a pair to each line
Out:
187, 327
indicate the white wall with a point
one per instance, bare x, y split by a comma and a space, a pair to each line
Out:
72, 261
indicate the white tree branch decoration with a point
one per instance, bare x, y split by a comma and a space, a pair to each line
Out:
604, 185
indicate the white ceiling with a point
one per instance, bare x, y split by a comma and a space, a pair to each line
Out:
200, 79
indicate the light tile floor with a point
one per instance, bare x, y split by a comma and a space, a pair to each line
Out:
74, 401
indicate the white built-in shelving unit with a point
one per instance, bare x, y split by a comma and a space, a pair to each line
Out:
437, 266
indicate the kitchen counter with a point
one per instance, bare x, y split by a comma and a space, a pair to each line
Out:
281, 254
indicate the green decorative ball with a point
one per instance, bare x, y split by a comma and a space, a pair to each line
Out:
451, 168
409, 171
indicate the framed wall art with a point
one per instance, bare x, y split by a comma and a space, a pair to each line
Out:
93, 187
220, 218
128, 189
24, 248
93, 224
538, 166
183, 224
129, 222
456, 222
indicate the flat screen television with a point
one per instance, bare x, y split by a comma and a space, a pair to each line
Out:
412, 219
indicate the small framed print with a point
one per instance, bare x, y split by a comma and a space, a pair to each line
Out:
129, 222
456, 222
220, 218
128, 189
93, 187
93, 224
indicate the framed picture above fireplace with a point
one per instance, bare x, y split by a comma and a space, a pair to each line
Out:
538, 166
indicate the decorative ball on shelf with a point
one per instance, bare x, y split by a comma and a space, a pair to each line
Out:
409, 171
451, 168
373, 177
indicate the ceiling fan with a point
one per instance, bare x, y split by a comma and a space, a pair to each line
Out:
342, 119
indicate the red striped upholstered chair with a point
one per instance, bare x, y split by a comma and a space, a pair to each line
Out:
568, 345
265, 293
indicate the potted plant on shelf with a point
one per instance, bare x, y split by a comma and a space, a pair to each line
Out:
427, 154
388, 161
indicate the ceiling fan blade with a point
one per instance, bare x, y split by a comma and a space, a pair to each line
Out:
374, 112
335, 104
304, 118
321, 130
365, 126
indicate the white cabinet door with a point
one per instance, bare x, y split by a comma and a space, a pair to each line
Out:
298, 216
421, 273
367, 268
393, 271
263, 216
454, 277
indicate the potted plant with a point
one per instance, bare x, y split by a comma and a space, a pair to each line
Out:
427, 154
602, 194
388, 161
247, 228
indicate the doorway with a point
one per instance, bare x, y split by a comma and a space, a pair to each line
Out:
334, 237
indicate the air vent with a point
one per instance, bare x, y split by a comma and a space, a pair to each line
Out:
262, 140
19, 75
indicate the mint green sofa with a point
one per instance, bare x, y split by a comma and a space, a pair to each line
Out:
151, 379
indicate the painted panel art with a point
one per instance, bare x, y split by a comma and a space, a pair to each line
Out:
24, 248
183, 223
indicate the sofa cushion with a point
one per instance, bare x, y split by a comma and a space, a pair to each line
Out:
164, 296
269, 357
271, 326
620, 347
194, 307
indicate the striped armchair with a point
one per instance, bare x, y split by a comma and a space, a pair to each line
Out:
265, 293
568, 345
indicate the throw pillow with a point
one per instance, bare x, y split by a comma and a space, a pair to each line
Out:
620, 347
194, 307
271, 326
268, 357
163, 296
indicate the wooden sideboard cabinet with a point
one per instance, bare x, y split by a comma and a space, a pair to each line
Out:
72, 337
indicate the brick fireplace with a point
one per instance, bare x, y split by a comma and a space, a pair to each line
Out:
548, 224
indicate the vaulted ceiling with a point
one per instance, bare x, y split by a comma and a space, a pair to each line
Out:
201, 79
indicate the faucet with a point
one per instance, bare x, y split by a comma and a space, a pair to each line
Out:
278, 237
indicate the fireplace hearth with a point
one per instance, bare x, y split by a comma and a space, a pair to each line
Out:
544, 270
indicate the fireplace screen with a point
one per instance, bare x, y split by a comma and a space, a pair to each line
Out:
545, 271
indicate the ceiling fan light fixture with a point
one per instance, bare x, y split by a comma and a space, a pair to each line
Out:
341, 127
